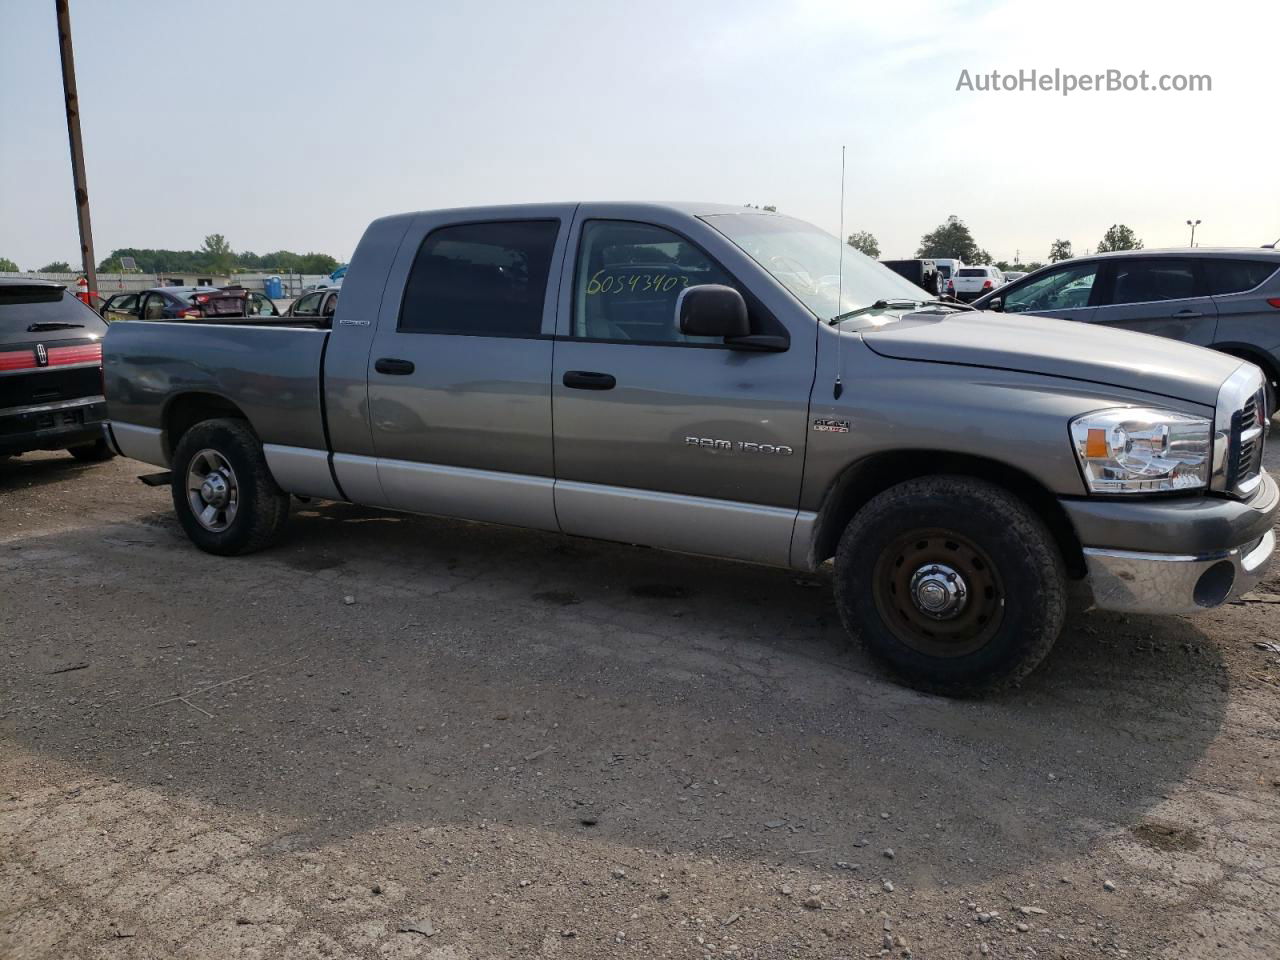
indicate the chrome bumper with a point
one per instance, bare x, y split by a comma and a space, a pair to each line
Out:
1168, 583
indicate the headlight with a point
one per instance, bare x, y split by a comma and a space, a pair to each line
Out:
1141, 450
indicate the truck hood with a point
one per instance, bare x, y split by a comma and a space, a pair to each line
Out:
1057, 348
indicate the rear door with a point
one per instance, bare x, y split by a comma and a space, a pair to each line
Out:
460, 369
665, 439
1164, 296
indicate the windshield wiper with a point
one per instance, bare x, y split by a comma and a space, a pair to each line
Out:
890, 304
53, 325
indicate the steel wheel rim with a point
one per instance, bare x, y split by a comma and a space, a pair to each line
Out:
904, 583
212, 491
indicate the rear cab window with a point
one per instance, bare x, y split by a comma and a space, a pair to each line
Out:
973, 272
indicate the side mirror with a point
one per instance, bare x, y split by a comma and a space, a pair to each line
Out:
996, 304
712, 310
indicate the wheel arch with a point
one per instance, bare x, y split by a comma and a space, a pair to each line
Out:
184, 411
864, 479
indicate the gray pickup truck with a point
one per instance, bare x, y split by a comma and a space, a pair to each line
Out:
733, 383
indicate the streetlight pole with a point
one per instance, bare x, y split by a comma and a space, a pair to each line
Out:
1193, 224
77, 145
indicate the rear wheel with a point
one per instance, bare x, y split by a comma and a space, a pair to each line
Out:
95, 452
225, 497
951, 582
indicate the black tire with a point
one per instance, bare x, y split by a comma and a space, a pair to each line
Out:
249, 510
1007, 564
95, 452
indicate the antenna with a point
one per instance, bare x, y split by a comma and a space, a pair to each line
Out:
838, 387
1271, 245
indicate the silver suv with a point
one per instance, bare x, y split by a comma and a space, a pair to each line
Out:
1227, 299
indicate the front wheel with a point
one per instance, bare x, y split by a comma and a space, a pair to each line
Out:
225, 497
951, 582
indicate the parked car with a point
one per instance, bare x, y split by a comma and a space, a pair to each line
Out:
947, 266
318, 306
50, 372
969, 283
178, 303
707, 380
1225, 299
1012, 275
923, 273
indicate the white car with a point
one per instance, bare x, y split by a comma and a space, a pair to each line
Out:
969, 283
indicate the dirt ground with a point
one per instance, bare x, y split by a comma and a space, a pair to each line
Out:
396, 737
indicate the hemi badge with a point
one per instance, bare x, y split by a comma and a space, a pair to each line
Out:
831, 426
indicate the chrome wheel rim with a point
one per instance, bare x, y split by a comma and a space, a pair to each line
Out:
212, 491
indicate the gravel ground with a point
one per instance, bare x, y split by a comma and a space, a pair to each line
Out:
402, 737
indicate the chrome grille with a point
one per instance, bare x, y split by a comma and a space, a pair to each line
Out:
1248, 437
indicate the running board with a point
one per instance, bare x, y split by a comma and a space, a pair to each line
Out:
158, 479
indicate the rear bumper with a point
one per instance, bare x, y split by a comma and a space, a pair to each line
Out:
55, 426
1175, 556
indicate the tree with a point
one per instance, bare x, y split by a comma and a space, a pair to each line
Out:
864, 242
218, 252
982, 258
7, 265
58, 266
951, 239
767, 208
1060, 250
1119, 237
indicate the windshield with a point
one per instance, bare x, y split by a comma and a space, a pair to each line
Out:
807, 261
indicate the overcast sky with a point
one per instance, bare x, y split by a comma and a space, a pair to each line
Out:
291, 125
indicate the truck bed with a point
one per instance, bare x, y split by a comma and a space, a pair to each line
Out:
271, 372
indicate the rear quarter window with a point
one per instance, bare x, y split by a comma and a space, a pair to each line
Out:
24, 307
1236, 276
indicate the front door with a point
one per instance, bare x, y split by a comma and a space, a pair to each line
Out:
460, 369
664, 439
1163, 296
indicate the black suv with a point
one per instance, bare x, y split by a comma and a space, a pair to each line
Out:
50, 372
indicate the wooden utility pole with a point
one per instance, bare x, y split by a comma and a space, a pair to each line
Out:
77, 145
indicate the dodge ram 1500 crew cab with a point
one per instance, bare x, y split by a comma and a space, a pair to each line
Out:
703, 379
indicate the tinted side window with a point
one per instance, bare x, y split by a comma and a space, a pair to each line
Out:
1145, 281
1066, 288
480, 279
1235, 276
628, 278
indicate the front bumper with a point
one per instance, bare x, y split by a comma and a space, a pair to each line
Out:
1176, 556
1170, 583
